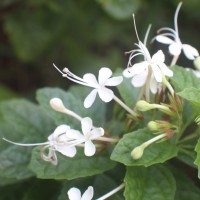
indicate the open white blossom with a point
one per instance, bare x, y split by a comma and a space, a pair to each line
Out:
149, 72
171, 38
89, 133
104, 79
75, 194
57, 141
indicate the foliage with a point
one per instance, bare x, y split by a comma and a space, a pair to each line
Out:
144, 151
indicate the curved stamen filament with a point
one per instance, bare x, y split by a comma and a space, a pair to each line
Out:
26, 145
167, 29
176, 18
135, 28
147, 34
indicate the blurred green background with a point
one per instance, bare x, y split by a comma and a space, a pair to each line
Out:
82, 35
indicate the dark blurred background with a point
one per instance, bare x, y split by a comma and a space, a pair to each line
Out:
82, 35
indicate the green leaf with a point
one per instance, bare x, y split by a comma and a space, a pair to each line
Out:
152, 183
155, 153
21, 122
73, 100
127, 91
184, 78
120, 9
70, 168
186, 188
197, 161
191, 94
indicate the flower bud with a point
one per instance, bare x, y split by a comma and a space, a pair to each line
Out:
153, 126
57, 104
144, 106
158, 125
197, 63
137, 152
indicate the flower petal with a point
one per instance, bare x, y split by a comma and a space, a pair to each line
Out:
89, 100
128, 72
86, 124
175, 49
153, 85
105, 94
74, 194
139, 68
91, 80
96, 133
58, 131
74, 135
166, 71
90, 148
88, 194
157, 73
104, 74
66, 151
164, 39
158, 57
140, 79
114, 81
189, 51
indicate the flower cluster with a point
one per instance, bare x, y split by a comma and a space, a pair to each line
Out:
152, 75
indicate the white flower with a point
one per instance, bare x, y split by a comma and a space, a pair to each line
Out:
154, 66
150, 72
89, 133
57, 141
104, 79
171, 37
75, 194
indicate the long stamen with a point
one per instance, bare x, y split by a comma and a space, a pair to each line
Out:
112, 192
167, 29
131, 57
147, 34
73, 77
26, 145
58, 69
135, 28
176, 17
70, 74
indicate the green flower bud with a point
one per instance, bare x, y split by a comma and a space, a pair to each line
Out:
153, 126
144, 106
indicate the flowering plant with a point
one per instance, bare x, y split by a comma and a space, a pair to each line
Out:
135, 153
